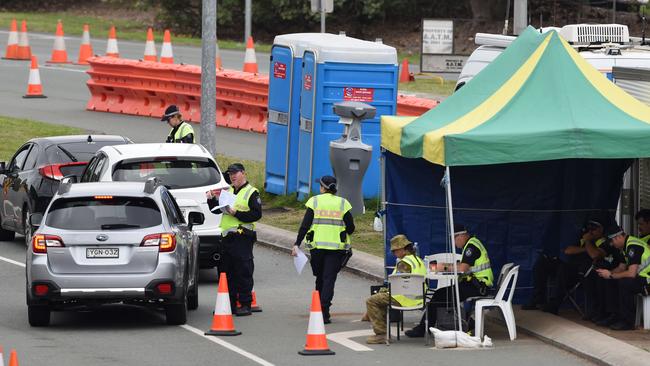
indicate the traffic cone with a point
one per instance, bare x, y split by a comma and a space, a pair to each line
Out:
59, 54
13, 358
255, 308
24, 51
222, 323
12, 43
34, 87
150, 47
250, 62
405, 76
111, 47
86, 49
166, 54
217, 60
316, 339
2, 358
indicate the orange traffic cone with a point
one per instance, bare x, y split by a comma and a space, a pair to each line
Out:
250, 62
166, 54
316, 339
12, 43
150, 47
13, 358
405, 76
34, 87
59, 54
2, 358
217, 60
24, 51
222, 323
255, 308
86, 49
111, 47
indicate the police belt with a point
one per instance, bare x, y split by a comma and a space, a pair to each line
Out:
243, 229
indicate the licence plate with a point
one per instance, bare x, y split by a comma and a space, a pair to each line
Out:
102, 252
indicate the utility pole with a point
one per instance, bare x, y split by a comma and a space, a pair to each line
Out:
248, 15
209, 76
322, 16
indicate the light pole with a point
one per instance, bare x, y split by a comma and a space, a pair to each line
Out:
209, 76
248, 10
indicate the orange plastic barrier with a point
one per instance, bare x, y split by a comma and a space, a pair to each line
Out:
146, 88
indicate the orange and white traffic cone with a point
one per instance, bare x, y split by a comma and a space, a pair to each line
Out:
34, 87
316, 338
111, 47
222, 323
13, 358
255, 308
12, 43
405, 76
250, 61
217, 60
86, 49
59, 54
166, 54
24, 51
150, 47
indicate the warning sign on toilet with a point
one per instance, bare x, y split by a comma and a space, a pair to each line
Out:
358, 94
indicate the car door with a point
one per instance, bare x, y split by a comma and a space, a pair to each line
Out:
13, 188
184, 236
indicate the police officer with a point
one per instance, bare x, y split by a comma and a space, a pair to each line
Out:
181, 130
632, 277
376, 305
238, 236
327, 226
643, 223
475, 276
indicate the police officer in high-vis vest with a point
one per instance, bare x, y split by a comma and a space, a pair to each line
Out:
181, 130
326, 226
376, 305
632, 277
238, 236
475, 276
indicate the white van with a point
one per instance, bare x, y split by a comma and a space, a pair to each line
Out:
603, 46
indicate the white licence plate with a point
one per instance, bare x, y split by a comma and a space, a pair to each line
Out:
102, 252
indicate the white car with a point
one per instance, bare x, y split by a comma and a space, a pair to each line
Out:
187, 170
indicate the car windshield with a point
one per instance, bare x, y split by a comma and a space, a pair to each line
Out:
103, 213
76, 151
174, 173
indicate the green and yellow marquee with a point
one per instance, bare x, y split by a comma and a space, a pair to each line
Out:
539, 100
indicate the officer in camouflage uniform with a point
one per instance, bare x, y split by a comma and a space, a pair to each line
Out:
377, 304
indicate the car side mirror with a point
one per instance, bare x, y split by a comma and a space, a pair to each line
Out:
195, 218
35, 219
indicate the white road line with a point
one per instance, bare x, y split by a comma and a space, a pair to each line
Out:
342, 339
12, 262
227, 345
60, 68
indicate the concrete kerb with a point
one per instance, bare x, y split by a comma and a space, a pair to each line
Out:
600, 348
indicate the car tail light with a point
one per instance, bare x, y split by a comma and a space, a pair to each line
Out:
164, 288
54, 171
166, 242
41, 242
41, 290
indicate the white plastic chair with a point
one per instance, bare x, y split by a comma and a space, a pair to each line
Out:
506, 288
441, 258
406, 284
643, 307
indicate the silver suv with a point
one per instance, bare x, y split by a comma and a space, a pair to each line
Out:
113, 242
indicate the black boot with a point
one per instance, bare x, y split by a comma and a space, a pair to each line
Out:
416, 332
326, 315
244, 310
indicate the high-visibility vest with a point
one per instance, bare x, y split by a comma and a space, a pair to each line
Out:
417, 267
600, 242
230, 223
645, 238
481, 268
328, 223
183, 130
644, 267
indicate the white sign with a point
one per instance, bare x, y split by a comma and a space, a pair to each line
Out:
328, 6
437, 36
443, 63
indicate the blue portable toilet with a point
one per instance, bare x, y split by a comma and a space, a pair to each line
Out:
339, 68
285, 73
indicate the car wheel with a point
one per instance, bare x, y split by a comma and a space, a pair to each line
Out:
193, 296
28, 229
6, 235
39, 315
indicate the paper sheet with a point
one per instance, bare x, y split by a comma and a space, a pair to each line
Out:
226, 198
300, 260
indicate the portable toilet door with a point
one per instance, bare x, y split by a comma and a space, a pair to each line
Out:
284, 113
306, 133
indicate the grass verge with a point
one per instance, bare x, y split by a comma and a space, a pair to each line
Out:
16, 131
429, 84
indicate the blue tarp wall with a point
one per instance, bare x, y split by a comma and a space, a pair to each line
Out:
517, 210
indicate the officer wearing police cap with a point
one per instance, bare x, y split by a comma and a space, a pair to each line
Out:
238, 236
181, 131
327, 226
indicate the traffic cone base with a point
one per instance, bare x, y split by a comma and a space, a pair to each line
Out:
222, 323
255, 308
316, 339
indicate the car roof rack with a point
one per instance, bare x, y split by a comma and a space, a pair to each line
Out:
151, 184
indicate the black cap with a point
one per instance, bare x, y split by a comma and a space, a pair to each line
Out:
172, 110
613, 231
328, 182
460, 229
235, 167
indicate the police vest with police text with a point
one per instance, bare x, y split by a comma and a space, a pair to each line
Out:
230, 223
328, 223
417, 267
183, 130
481, 269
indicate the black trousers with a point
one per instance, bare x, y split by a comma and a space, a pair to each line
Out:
566, 274
446, 297
237, 263
606, 297
325, 265
628, 289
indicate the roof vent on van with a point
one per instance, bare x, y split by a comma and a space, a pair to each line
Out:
595, 33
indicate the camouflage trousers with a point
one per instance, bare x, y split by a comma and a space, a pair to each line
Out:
376, 306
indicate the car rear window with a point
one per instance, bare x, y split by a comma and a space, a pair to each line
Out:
175, 173
103, 213
76, 151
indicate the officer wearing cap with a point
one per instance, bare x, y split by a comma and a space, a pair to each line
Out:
376, 305
327, 226
238, 236
475, 276
632, 276
181, 131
